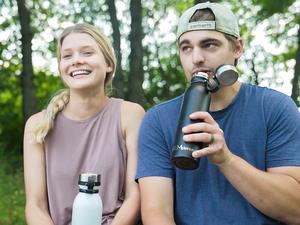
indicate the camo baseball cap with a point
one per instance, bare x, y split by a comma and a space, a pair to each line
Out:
225, 20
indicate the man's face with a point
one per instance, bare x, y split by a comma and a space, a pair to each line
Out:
205, 50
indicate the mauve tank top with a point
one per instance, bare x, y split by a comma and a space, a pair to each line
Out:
94, 145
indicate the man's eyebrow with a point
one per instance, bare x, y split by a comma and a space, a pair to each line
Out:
202, 41
209, 40
184, 41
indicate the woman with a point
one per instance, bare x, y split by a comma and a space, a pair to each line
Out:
82, 130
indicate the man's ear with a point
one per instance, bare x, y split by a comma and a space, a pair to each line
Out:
239, 47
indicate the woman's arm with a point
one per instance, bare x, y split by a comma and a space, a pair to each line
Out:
36, 208
131, 116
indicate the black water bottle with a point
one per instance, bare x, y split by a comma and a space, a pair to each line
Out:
196, 98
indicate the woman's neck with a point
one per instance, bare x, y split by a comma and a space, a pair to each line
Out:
82, 106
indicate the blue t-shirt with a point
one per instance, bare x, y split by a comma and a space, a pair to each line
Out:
261, 125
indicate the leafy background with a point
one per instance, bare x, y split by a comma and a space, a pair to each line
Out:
28, 74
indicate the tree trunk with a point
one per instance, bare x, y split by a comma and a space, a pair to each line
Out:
296, 83
118, 81
27, 85
136, 73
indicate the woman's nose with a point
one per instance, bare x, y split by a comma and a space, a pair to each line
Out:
77, 59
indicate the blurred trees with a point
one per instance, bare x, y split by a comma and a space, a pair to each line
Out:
119, 79
135, 91
284, 13
27, 85
271, 32
148, 70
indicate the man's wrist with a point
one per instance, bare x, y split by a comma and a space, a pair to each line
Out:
229, 158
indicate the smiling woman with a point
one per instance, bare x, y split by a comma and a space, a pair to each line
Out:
82, 130
75, 47
81, 58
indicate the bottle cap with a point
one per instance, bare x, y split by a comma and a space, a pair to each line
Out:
226, 75
90, 177
89, 183
201, 74
199, 77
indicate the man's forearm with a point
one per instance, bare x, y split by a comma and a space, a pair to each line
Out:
276, 195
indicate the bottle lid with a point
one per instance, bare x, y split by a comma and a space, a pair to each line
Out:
87, 182
200, 76
226, 74
90, 177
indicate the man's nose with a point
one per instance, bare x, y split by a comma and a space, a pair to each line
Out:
197, 56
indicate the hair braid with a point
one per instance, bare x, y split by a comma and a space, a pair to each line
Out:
56, 104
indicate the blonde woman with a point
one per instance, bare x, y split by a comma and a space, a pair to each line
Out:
82, 130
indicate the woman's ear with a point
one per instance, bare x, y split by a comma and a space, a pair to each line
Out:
109, 69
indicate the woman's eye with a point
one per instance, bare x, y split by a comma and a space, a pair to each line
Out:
88, 53
66, 56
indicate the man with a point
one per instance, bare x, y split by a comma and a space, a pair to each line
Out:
249, 173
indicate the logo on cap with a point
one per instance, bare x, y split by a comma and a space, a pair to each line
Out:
202, 25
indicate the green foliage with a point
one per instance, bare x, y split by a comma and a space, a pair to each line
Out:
12, 199
11, 113
11, 120
270, 7
181, 6
164, 80
47, 85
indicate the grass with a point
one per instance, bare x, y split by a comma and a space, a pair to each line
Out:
12, 196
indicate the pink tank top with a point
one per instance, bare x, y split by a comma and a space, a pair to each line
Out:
94, 145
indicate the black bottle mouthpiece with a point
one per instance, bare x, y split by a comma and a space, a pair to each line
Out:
199, 75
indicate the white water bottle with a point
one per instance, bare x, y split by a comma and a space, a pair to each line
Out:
87, 205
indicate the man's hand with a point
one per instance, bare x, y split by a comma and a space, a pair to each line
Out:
210, 133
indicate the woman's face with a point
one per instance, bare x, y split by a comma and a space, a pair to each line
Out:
82, 64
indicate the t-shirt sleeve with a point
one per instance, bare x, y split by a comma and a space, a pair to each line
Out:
283, 141
153, 152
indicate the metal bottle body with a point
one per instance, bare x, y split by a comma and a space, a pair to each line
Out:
87, 205
87, 209
196, 98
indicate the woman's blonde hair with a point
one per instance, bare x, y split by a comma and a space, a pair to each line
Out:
61, 99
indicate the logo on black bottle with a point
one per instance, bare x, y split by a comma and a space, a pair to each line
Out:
183, 148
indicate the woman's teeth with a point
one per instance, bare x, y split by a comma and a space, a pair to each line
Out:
80, 72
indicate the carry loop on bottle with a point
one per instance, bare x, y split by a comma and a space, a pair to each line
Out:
87, 205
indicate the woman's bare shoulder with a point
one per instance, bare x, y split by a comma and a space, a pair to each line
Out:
132, 108
35, 119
